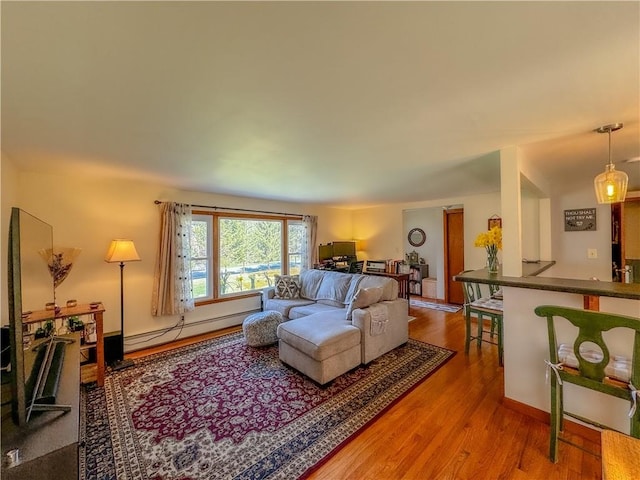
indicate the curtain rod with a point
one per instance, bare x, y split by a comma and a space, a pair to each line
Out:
158, 202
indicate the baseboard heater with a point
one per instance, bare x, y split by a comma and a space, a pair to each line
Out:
200, 326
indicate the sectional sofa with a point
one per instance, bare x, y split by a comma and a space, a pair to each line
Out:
336, 321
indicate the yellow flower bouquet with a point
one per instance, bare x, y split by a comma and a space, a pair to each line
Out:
491, 240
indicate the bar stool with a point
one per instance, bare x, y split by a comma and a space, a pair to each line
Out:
589, 368
483, 307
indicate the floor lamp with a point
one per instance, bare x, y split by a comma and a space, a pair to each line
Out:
121, 251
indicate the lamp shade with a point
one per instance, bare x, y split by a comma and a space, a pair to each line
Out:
121, 250
611, 186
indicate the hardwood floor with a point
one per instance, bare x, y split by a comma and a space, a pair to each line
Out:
454, 425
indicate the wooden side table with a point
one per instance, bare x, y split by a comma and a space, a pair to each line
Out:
78, 310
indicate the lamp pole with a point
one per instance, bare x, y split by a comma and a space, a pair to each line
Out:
121, 251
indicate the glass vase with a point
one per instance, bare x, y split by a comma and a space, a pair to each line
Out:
492, 263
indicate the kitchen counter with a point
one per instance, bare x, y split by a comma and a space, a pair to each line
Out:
568, 285
526, 340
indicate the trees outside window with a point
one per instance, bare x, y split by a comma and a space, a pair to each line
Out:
238, 254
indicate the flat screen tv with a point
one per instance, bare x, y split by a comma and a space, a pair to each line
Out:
344, 249
325, 252
30, 288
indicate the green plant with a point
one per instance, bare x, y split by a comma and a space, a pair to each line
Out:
74, 324
49, 327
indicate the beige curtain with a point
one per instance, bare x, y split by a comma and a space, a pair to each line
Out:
309, 247
172, 293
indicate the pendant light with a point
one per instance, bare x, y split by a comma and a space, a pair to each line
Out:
611, 186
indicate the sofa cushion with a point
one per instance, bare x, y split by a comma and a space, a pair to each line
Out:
389, 285
284, 306
332, 288
310, 309
287, 286
320, 338
310, 283
363, 298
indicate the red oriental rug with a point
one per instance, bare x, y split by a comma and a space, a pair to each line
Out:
222, 410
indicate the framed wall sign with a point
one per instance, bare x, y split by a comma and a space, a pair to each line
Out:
580, 220
494, 221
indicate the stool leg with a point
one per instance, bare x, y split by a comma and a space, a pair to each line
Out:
467, 319
499, 321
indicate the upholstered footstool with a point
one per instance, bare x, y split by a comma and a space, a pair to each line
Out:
322, 349
260, 328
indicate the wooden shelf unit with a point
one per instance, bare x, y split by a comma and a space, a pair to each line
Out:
417, 272
63, 313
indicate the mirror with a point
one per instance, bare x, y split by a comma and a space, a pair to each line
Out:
417, 237
30, 288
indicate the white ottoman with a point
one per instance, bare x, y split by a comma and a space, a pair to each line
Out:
260, 328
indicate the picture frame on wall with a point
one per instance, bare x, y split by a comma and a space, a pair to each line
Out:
494, 221
580, 220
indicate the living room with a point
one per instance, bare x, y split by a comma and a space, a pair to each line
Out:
79, 174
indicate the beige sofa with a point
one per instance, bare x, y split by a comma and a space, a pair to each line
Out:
336, 321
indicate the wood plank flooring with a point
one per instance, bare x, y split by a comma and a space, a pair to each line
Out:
453, 425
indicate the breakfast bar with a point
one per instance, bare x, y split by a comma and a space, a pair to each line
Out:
526, 345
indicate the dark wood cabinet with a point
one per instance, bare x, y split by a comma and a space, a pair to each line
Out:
417, 272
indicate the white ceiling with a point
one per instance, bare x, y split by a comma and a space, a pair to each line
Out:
343, 103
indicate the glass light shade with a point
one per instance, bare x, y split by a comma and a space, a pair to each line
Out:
611, 186
122, 251
59, 260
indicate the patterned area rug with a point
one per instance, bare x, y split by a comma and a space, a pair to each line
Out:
220, 409
444, 307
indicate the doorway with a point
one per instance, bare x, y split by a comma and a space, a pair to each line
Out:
453, 222
625, 241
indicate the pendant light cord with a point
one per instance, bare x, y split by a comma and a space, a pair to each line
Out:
610, 162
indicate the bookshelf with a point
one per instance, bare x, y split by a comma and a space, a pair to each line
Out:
416, 273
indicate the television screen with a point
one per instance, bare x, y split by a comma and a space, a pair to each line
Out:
325, 252
344, 249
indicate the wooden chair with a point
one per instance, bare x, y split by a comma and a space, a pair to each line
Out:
589, 372
483, 307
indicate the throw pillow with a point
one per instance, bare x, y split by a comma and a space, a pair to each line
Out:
363, 298
287, 286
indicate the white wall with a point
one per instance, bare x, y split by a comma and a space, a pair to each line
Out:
530, 225
429, 220
89, 212
570, 248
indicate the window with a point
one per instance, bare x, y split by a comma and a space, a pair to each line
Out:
296, 237
235, 254
201, 259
